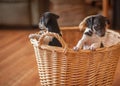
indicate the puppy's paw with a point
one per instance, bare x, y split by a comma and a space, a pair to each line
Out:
93, 48
75, 48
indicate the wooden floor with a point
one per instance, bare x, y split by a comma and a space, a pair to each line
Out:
17, 61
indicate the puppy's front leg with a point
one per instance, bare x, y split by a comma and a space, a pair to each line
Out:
80, 43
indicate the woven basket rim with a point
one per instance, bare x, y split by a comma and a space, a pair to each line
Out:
60, 49
64, 49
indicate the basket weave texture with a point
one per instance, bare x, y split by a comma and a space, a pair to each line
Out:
61, 66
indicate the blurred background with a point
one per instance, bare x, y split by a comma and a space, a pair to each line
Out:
19, 18
28, 12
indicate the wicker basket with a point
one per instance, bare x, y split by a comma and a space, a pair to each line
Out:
61, 66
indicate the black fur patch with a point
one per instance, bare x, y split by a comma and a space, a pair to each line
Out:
101, 46
89, 33
55, 42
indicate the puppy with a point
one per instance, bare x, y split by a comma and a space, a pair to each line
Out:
49, 23
93, 34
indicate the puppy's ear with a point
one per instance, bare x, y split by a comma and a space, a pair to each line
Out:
84, 23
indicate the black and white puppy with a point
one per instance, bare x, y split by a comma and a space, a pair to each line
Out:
93, 34
49, 23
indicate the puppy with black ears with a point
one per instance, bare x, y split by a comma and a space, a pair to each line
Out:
95, 30
49, 23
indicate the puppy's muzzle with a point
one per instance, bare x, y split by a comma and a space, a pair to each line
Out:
99, 31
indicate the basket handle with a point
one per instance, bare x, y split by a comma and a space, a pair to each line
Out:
60, 39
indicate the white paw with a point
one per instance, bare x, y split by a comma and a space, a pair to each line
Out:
75, 48
92, 48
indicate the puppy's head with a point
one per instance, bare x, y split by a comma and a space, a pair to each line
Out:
46, 18
97, 23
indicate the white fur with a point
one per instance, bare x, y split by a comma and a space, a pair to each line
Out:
41, 25
89, 42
